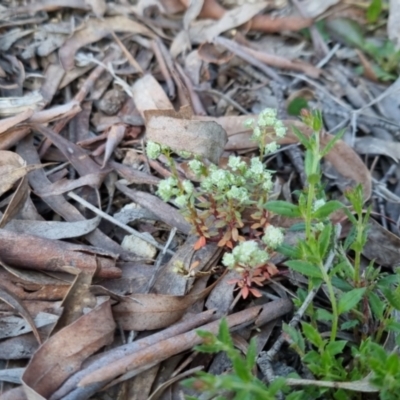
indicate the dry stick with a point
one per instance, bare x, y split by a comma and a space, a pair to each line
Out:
225, 97
160, 259
241, 52
142, 360
273, 351
116, 222
69, 388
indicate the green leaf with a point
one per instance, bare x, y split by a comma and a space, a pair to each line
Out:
223, 333
295, 335
317, 120
351, 237
251, 355
377, 305
350, 299
347, 30
308, 163
349, 324
334, 348
305, 268
392, 297
297, 227
332, 142
324, 240
312, 335
296, 105
374, 10
288, 251
323, 315
327, 209
302, 138
341, 284
284, 208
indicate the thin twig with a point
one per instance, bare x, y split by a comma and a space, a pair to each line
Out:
116, 222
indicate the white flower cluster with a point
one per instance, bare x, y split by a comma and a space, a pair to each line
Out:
246, 254
267, 117
168, 188
259, 174
153, 150
196, 166
236, 182
273, 236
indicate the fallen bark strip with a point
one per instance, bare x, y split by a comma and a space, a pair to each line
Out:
70, 390
32, 252
144, 359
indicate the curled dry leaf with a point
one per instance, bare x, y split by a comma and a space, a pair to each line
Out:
15, 105
78, 297
10, 122
96, 29
65, 185
264, 23
18, 306
53, 229
62, 354
148, 95
12, 169
154, 311
371, 145
206, 30
27, 251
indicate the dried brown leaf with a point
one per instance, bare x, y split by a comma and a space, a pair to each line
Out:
96, 29
62, 354
154, 311
53, 229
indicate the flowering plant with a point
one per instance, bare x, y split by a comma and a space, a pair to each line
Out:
228, 206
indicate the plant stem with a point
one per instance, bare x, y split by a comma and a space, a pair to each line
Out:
357, 258
333, 301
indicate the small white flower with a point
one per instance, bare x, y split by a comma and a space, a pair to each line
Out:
196, 166
318, 204
236, 163
184, 154
248, 123
271, 147
256, 166
240, 194
188, 186
167, 188
221, 179
228, 260
273, 236
256, 133
319, 227
280, 129
181, 200
267, 183
206, 184
153, 150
